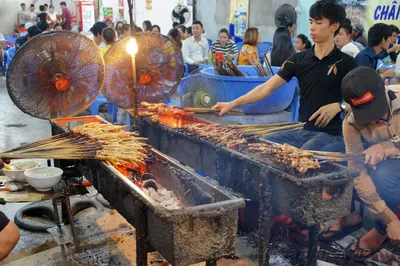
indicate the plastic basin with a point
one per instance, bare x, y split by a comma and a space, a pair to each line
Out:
231, 88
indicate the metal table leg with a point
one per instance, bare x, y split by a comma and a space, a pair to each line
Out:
264, 223
312, 245
58, 222
71, 223
141, 237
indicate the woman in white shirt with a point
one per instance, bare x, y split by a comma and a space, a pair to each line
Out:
343, 41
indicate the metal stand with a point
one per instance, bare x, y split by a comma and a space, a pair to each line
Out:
264, 223
66, 206
312, 245
142, 244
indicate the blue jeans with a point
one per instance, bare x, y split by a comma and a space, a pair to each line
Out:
310, 140
386, 178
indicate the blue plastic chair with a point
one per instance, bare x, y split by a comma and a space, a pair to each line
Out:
263, 48
10, 39
10, 54
112, 109
209, 43
295, 105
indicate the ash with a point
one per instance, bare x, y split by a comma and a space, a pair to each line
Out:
166, 198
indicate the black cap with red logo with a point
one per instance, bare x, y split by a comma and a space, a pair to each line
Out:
365, 91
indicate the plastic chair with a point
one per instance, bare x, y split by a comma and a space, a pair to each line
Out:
10, 54
239, 46
295, 105
263, 48
209, 43
112, 109
10, 39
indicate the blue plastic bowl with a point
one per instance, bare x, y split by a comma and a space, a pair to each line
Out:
232, 88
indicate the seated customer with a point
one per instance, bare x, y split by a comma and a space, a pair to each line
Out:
372, 128
195, 48
393, 49
175, 35
302, 43
109, 38
379, 39
225, 45
249, 50
343, 41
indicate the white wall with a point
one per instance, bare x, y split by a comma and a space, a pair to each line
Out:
214, 14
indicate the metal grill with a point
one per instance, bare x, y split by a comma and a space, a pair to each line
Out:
56, 74
159, 69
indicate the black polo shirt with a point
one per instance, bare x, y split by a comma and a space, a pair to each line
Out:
320, 83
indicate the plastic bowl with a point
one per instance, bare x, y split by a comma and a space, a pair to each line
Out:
18, 175
43, 178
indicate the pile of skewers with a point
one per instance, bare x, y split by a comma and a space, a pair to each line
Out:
268, 129
337, 156
224, 135
226, 67
98, 141
160, 109
286, 154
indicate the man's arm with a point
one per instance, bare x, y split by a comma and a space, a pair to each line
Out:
9, 236
185, 53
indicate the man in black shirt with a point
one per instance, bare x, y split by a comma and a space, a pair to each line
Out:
320, 71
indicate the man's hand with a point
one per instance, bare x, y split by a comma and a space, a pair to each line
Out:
393, 231
224, 107
388, 73
325, 114
374, 155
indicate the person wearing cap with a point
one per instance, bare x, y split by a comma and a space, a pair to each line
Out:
357, 34
320, 71
372, 128
379, 39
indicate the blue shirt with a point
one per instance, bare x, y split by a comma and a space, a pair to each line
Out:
367, 58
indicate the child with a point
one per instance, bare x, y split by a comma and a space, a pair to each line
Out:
249, 50
109, 38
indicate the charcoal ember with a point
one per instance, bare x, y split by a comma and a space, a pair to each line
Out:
164, 197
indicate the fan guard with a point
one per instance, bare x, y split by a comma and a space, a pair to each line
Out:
159, 69
181, 14
56, 74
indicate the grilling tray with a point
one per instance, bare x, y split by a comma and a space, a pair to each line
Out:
203, 230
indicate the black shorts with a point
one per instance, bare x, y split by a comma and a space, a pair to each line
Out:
3, 221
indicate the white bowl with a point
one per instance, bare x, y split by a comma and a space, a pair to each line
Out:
18, 175
43, 178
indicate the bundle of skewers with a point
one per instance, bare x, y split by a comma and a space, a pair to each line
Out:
224, 135
259, 68
286, 154
160, 109
337, 156
226, 67
268, 129
98, 141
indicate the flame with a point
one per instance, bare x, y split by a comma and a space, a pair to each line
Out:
132, 47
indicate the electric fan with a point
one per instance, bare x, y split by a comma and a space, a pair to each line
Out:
56, 74
181, 14
159, 69
284, 14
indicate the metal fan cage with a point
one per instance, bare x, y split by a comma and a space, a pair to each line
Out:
159, 69
38, 65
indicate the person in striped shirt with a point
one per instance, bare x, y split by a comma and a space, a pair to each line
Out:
225, 45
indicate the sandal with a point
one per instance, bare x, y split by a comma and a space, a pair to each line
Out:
338, 234
372, 251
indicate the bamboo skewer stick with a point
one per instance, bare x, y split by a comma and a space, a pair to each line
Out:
264, 125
